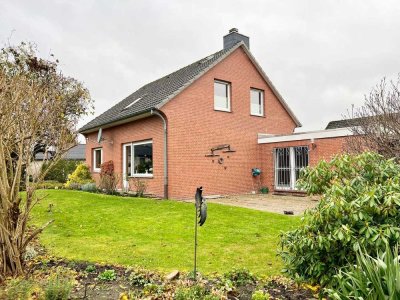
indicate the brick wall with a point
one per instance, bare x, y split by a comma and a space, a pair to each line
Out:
194, 128
321, 149
145, 129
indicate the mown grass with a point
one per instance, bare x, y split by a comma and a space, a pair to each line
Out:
158, 234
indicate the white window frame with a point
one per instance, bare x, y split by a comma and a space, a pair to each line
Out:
261, 92
228, 85
133, 144
97, 170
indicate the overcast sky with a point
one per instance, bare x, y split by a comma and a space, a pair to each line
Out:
322, 56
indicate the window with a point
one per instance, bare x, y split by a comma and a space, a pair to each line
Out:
133, 103
288, 163
256, 102
222, 97
138, 159
97, 159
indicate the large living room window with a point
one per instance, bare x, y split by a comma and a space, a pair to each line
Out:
222, 96
138, 159
97, 159
256, 102
288, 163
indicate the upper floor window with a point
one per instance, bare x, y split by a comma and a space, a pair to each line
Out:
256, 102
222, 96
97, 159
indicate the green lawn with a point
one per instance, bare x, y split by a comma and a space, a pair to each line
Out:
158, 234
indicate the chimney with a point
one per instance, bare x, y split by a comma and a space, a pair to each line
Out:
234, 37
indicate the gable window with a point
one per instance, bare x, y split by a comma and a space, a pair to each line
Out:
222, 96
256, 102
138, 159
97, 159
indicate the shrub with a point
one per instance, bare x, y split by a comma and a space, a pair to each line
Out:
240, 277
89, 187
80, 176
108, 179
360, 208
108, 275
58, 288
140, 187
60, 171
264, 190
371, 278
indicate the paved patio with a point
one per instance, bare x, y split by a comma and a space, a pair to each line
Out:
269, 202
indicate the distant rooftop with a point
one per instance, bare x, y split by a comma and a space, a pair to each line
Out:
75, 153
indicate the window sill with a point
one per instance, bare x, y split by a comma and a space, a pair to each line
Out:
96, 170
260, 116
223, 110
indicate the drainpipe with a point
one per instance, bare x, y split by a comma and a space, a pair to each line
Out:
157, 113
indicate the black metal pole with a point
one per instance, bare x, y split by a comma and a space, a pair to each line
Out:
195, 243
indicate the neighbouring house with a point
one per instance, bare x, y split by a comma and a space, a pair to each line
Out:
76, 153
208, 124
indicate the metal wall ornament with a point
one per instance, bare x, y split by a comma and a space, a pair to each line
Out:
200, 219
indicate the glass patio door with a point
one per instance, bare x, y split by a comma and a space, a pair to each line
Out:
288, 163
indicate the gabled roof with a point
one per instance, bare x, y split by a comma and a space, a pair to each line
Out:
75, 153
155, 94
345, 123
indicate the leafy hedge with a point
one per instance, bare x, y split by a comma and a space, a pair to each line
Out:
360, 208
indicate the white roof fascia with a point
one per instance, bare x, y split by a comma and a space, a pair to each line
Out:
319, 134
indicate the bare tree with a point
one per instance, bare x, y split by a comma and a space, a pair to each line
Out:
39, 110
376, 125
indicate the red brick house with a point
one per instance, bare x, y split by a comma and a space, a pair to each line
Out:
165, 132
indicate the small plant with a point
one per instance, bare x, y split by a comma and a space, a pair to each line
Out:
240, 277
190, 293
264, 190
18, 289
140, 187
370, 278
140, 278
58, 288
80, 176
89, 187
260, 295
108, 179
108, 275
90, 269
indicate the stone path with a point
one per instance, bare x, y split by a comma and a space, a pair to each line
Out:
269, 202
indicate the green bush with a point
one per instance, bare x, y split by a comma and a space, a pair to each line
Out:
58, 288
60, 171
371, 278
50, 185
360, 208
108, 275
80, 176
240, 277
264, 190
